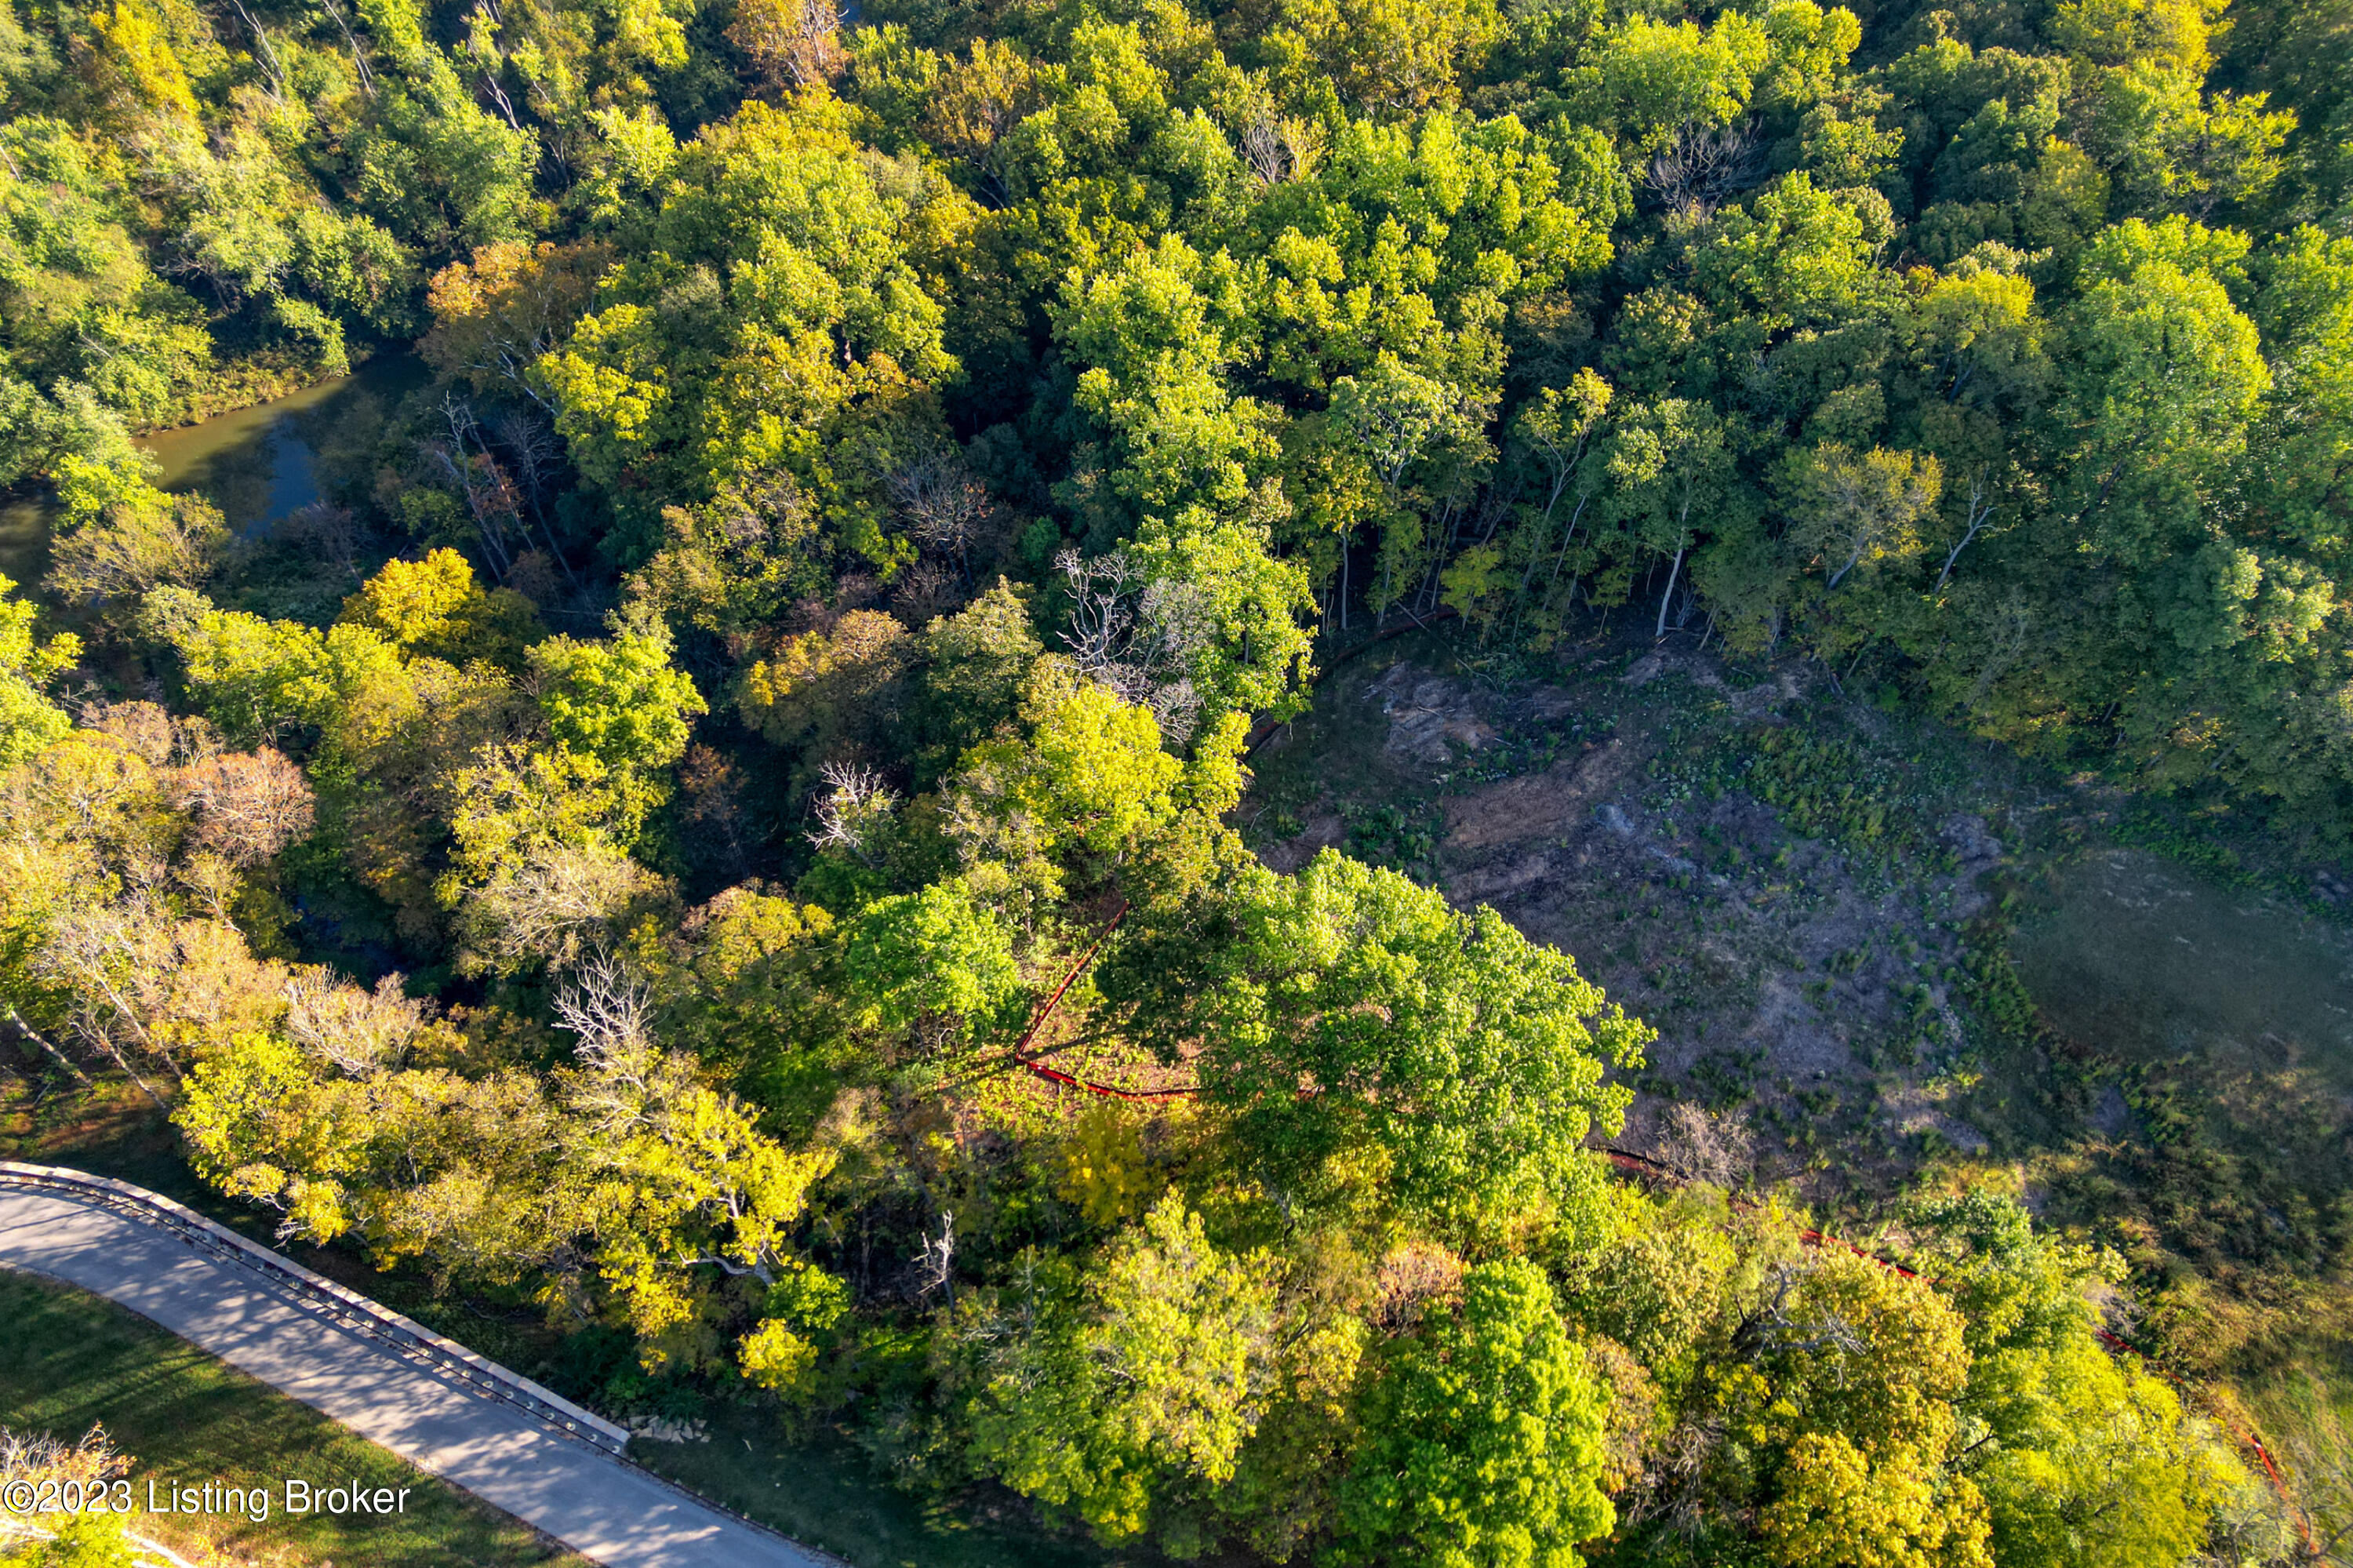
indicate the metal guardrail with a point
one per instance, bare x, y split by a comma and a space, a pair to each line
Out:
344, 1307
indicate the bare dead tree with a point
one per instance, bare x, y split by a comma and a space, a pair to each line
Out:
1280, 149
491, 510
532, 447
1101, 590
936, 1262
1670, 1488
351, 41
1262, 148
15, 1021
486, 23
945, 504
267, 56
604, 1006
511, 355
248, 806
1699, 1147
556, 907
1137, 636
1414, 1273
110, 958
37, 1456
324, 532
146, 729
1980, 513
491, 495
927, 589
626, 1083
1700, 169
855, 805
358, 1032
1774, 1328
624, 1075
794, 43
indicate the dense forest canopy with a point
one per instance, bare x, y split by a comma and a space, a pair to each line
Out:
618, 850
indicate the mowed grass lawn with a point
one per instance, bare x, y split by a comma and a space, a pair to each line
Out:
69, 1359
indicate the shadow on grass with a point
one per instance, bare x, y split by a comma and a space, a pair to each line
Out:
824, 1494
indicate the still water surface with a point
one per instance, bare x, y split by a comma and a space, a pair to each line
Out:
257, 465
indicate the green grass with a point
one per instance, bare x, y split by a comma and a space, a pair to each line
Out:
825, 1496
2305, 1412
69, 1359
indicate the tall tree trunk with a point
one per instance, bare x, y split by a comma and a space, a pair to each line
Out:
1565, 540
1343, 581
1668, 596
16, 1022
1853, 561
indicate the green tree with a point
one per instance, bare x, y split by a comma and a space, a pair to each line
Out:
977, 667
619, 700
1148, 333
768, 308
434, 607
83, 1541
1843, 1506
29, 721
831, 692
1670, 473
257, 678
1648, 78
933, 955
142, 542
1397, 417
2165, 374
1142, 1391
1838, 1394
1861, 509
1387, 58
1235, 614
1362, 1033
1557, 431
1086, 796
2087, 1458
1483, 1438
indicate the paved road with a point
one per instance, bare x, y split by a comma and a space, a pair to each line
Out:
600, 1507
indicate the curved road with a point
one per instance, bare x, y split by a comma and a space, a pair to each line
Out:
601, 1507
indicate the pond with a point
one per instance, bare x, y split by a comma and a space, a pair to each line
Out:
257, 464
24, 540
